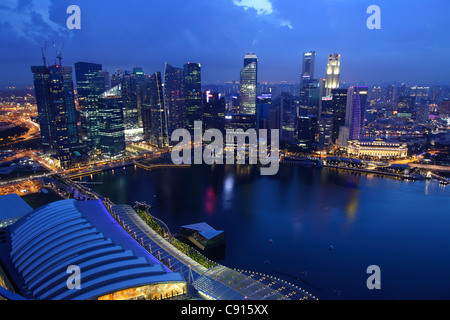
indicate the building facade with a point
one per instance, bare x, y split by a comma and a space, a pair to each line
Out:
249, 83
333, 72
90, 85
174, 98
56, 111
356, 111
377, 149
193, 94
111, 127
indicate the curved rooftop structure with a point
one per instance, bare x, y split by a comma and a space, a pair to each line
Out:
45, 242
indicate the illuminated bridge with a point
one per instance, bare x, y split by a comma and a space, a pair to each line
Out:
217, 283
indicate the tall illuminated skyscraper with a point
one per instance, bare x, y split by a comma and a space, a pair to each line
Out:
90, 84
138, 86
333, 72
174, 98
56, 110
154, 116
308, 65
111, 124
356, 111
193, 94
249, 82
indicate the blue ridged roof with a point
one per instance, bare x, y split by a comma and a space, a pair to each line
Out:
13, 207
83, 233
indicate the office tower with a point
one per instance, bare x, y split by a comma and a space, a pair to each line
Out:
310, 96
308, 65
404, 90
307, 131
111, 128
326, 130
174, 98
355, 111
56, 110
421, 93
90, 84
444, 109
213, 111
138, 86
333, 72
390, 93
405, 107
154, 116
264, 104
249, 81
288, 112
336, 105
376, 94
193, 94
274, 116
129, 100
107, 78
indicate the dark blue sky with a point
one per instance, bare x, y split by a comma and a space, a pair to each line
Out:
413, 44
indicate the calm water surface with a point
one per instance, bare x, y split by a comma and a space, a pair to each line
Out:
403, 227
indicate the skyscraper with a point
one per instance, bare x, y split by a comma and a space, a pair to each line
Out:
249, 81
154, 116
356, 111
288, 115
308, 65
333, 72
444, 109
193, 94
263, 114
111, 124
307, 131
129, 99
138, 86
174, 98
326, 130
213, 111
56, 110
90, 84
335, 104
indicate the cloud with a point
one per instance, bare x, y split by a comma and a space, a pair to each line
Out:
30, 19
264, 10
262, 7
286, 23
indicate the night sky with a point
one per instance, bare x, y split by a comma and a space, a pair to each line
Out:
413, 44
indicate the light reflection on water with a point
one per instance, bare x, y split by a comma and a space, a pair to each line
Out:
399, 225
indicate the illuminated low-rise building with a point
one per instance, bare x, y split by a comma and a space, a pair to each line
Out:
377, 149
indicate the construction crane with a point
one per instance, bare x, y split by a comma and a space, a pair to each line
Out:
44, 50
59, 52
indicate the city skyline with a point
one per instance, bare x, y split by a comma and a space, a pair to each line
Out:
274, 30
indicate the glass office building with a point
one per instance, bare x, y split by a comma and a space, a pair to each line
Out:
56, 110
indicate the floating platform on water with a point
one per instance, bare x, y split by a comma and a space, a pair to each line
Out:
202, 235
